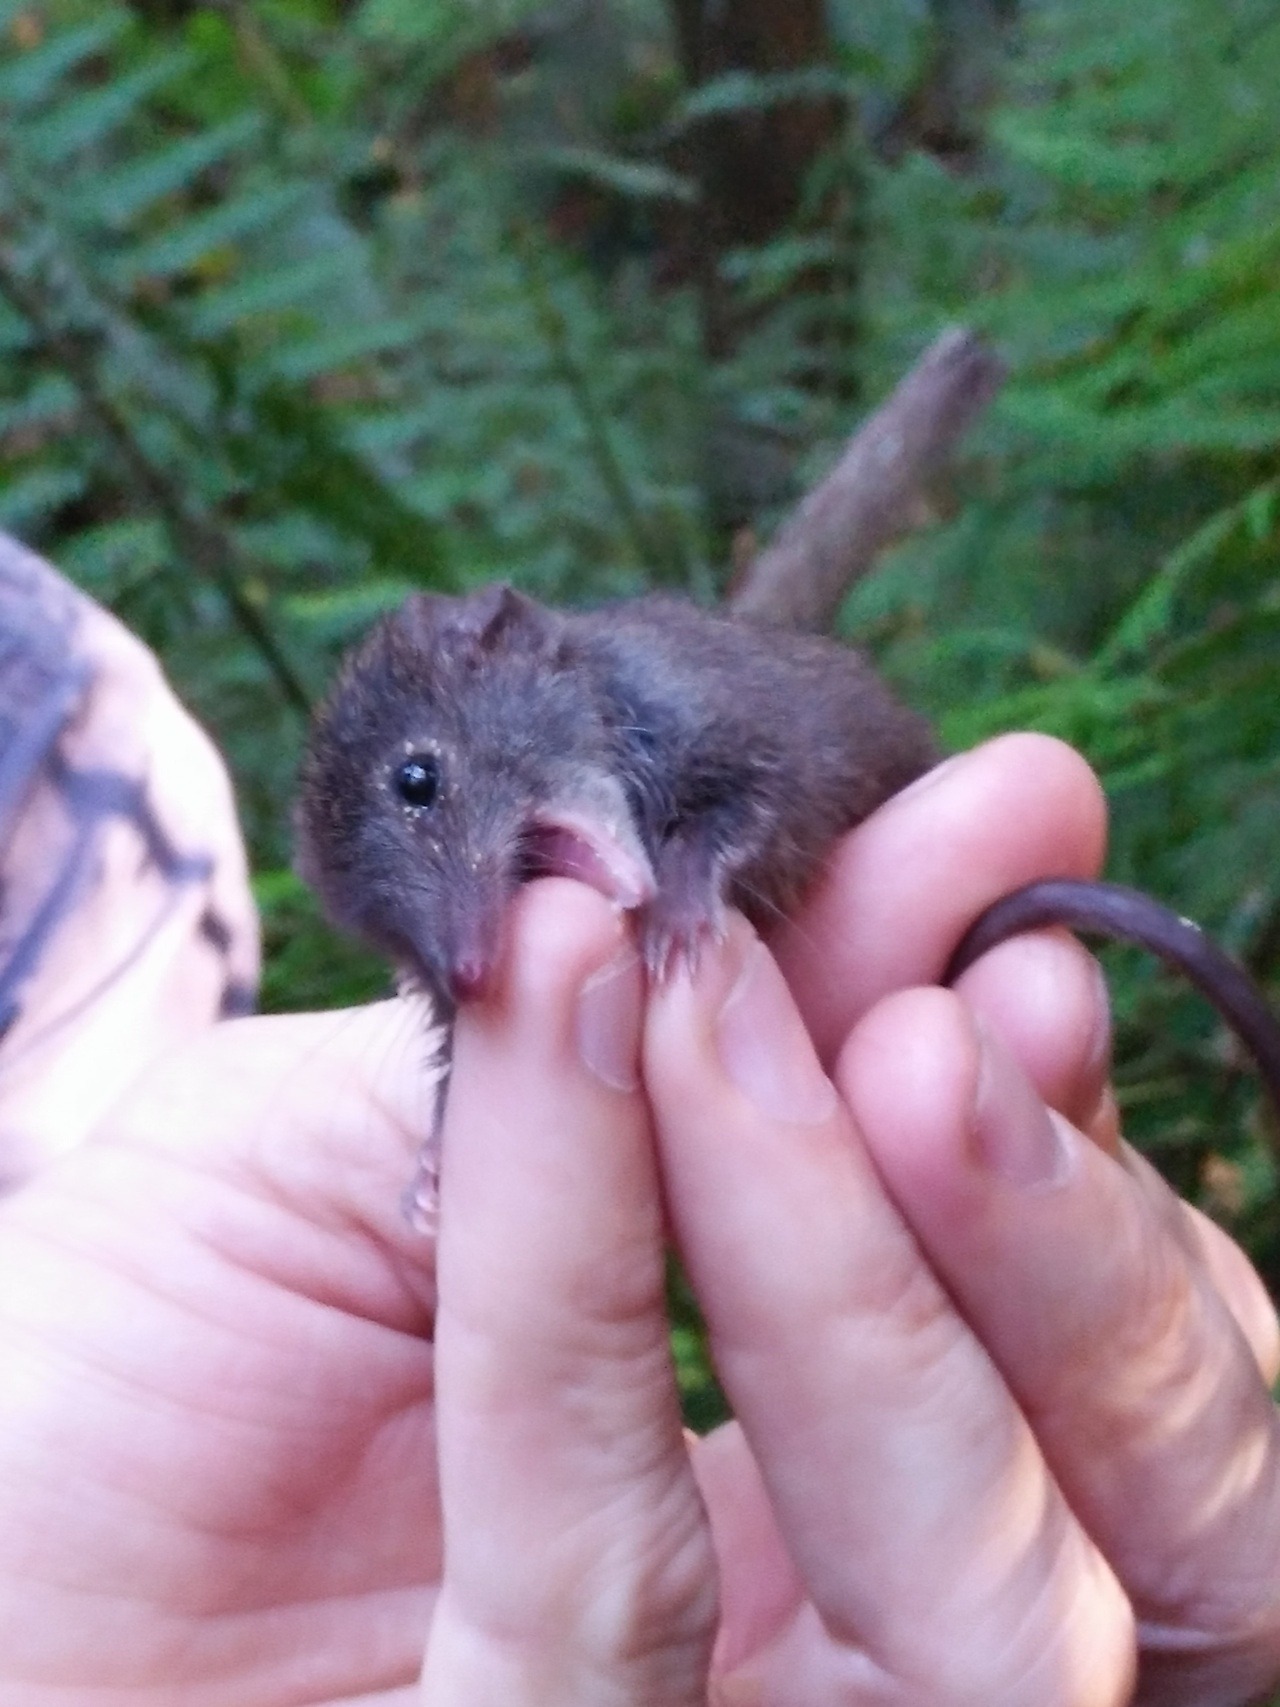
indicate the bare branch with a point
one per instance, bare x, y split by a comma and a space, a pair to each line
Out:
871, 495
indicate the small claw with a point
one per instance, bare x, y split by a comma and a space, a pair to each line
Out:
421, 1201
671, 943
665, 951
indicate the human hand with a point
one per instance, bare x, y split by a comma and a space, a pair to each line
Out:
218, 1435
1003, 1428
224, 1475
994, 1386
216, 1428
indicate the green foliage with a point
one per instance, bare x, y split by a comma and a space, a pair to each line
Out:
1127, 226
230, 398
303, 306
303, 967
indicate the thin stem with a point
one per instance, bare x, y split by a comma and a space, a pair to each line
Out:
262, 60
552, 324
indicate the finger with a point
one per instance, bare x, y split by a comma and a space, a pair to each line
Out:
938, 1557
1077, 1273
903, 888
1045, 997
761, 1592
1240, 1287
578, 1562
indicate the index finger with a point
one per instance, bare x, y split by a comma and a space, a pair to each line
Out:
932, 1551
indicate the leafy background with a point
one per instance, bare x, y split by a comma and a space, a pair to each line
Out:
304, 304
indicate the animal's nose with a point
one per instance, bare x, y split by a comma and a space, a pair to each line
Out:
470, 975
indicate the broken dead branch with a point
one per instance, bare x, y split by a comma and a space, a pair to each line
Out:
874, 493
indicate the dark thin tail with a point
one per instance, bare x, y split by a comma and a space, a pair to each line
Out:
1127, 915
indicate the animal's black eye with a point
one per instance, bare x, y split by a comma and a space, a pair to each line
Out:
417, 780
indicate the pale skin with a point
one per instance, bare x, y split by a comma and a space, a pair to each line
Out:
1004, 1432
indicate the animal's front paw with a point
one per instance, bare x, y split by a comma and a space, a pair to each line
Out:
674, 931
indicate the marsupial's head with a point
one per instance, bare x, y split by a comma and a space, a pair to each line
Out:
461, 752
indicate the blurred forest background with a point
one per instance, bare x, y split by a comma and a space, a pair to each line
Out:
304, 304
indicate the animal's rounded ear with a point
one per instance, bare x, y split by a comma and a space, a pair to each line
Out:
424, 615
498, 615
495, 616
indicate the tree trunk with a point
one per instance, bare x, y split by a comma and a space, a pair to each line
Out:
751, 166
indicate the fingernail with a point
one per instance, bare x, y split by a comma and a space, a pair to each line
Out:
608, 1022
1013, 1131
1097, 1059
925, 782
765, 1048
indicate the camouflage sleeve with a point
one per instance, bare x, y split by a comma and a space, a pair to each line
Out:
126, 919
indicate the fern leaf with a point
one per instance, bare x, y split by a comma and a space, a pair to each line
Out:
47, 404
636, 180
30, 78
30, 497
92, 117
117, 197
297, 285
311, 357
117, 556
1151, 613
194, 240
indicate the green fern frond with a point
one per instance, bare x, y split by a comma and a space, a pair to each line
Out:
117, 195
91, 120
208, 236
29, 498
269, 293
31, 77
